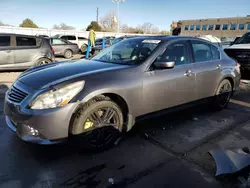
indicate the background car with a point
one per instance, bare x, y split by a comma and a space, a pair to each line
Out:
63, 47
240, 51
98, 43
122, 38
96, 100
82, 42
24, 51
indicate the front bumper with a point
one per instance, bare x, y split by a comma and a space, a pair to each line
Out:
48, 126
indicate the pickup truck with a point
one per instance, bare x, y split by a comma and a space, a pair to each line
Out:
240, 51
82, 42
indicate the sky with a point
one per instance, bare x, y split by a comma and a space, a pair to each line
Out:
79, 13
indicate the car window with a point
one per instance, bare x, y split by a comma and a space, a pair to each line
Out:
71, 37
58, 41
202, 51
4, 40
64, 37
215, 53
177, 52
25, 41
133, 51
82, 38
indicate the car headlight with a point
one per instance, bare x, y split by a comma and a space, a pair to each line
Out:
57, 97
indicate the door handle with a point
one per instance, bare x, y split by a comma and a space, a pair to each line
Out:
188, 73
218, 67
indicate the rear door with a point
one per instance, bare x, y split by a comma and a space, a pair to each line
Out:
207, 67
26, 49
6, 50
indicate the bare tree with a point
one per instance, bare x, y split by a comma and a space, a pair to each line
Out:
155, 30
63, 26
146, 27
109, 22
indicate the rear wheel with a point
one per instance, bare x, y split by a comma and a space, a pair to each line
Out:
68, 54
97, 125
43, 61
223, 94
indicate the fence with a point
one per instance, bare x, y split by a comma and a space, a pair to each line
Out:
52, 32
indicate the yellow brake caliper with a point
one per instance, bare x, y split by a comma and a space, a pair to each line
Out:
88, 124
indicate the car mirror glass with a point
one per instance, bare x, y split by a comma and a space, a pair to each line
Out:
164, 65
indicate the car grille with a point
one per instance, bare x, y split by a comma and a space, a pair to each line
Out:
16, 95
240, 55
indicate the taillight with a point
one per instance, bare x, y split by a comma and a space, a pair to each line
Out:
237, 64
52, 49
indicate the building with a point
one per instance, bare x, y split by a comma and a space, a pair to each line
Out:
219, 27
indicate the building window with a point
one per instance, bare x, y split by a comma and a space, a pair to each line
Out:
186, 27
248, 27
204, 27
225, 27
198, 27
192, 27
241, 26
210, 27
217, 27
233, 27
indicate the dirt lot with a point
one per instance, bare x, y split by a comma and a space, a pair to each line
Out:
167, 151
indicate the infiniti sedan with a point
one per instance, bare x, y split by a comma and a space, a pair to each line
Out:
98, 99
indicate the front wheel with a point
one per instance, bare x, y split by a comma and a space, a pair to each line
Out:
84, 48
223, 94
97, 125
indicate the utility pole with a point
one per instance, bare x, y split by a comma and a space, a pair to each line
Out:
118, 12
97, 15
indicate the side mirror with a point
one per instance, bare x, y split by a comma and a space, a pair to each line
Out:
164, 65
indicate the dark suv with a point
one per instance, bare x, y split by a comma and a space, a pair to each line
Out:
24, 51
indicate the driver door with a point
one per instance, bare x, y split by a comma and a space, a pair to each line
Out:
164, 88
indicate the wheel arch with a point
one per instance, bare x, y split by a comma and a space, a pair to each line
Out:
118, 99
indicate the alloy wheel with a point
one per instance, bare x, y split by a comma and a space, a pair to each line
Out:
225, 94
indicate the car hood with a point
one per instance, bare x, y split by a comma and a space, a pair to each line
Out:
239, 46
43, 76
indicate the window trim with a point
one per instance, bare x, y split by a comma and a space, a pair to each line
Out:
209, 27
204, 42
166, 45
198, 26
223, 27
239, 27
66, 42
26, 47
248, 26
216, 26
203, 27
235, 27
4, 47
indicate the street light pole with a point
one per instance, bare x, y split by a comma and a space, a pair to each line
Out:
118, 13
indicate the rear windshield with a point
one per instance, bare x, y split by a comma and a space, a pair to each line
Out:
245, 39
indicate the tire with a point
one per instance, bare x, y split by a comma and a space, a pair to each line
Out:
84, 48
99, 137
43, 61
223, 94
68, 54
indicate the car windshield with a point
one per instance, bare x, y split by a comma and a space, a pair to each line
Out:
132, 51
117, 40
245, 39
